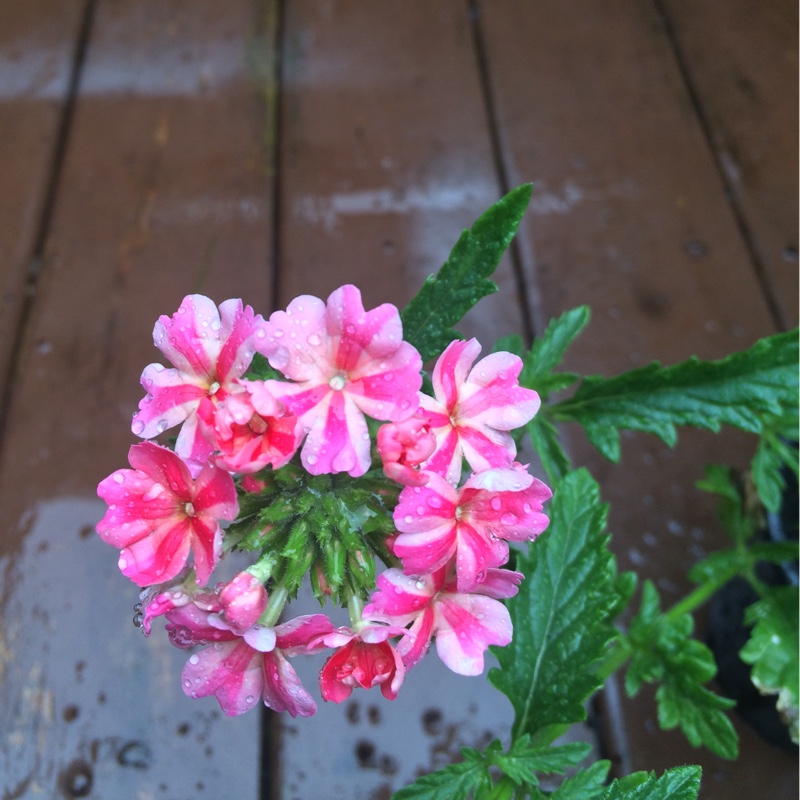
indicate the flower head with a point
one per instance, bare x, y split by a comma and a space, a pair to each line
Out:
473, 409
438, 522
241, 667
248, 429
464, 624
363, 658
345, 362
157, 513
209, 349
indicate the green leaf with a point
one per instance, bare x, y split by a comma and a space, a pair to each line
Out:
464, 278
453, 782
731, 510
585, 785
548, 351
737, 390
562, 614
522, 761
664, 652
773, 650
547, 446
772, 455
679, 783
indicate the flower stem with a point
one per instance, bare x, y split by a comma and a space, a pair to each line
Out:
277, 600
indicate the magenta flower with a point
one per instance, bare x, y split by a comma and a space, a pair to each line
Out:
241, 667
248, 428
157, 513
403, 446
464, 624
474, 408
209, 349
364, 658
438, 521
345, 362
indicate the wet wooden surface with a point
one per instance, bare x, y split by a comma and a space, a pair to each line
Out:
661, 146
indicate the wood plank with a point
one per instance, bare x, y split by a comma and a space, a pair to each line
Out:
630, 216
741, 58
386, 158
37, 48
166, 191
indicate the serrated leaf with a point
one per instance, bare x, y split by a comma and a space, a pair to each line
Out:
773, 650
773, 454
664, 652
522, 761
562, 613
453, 782
547, 446
548, 351
585, 785
444, 298
679, 783
737, 390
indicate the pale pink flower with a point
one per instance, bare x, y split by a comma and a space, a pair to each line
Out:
345, 362
239, 668
364, 658
209, 348
248, 429
438, 521
403, 446
157, 513
473, 409
464, 624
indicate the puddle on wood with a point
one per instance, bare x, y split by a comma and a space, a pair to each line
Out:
90, 706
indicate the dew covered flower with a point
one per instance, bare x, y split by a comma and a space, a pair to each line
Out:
344, 362
240, 667
464, 624
473, 409
473, 524
209, 348
157, 512
248, 429
364, 658
403, 446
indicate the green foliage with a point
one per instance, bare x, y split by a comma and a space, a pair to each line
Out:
665, 653
563, 614
472, 777
464, 278
680, 783
738, 390
773, 650
548, 351
585, 785
546, 444
772, 454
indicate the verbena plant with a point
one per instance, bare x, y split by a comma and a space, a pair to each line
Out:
281, 454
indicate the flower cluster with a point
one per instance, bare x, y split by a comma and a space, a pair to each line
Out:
274, 457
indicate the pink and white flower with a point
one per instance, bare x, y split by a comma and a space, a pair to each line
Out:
464, 624
473, 524
241, 667
248, 429
157, 513
209, 348
473, 409
403, 446
363, 658
345, 362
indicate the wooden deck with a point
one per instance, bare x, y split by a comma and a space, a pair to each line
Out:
262, 149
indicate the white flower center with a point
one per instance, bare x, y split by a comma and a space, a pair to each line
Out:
337, 382
189, 509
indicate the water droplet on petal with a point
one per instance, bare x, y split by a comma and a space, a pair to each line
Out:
314, 340
496, 503
408, 519
434, 501
138, 427
194, 659
162, 425
119, 478
508, 518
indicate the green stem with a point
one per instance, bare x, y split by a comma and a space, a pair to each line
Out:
277, 600
696, 598
355, 608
